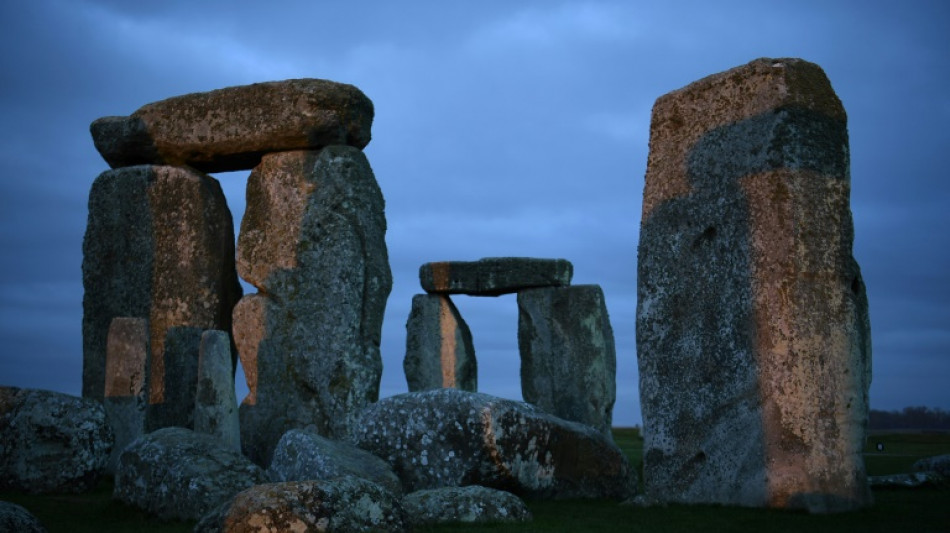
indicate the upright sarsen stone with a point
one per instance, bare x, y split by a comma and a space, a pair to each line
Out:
313, 242
126, 399
753, 336
439, 349
216, 409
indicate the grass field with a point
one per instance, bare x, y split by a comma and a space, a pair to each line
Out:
918, 511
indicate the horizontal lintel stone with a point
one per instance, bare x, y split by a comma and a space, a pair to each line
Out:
494, 276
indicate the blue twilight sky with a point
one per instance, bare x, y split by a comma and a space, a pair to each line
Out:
502, 128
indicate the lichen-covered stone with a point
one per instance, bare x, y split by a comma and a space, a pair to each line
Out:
313, 241
125, 402
216, 410
341, 504
938, 463
51, 442
447, 438
304, 455
439, 349
159, 245
464, 505
16, 519
232, 128
753, 338
175, 473
568, 359
180, 365
493, 276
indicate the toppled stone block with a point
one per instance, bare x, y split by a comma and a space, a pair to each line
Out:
126, 400
448, 438
938, 463
464, 505
439, 349
14, 518
232, 128
159, 245
753, 338
568, 359
313, 241
51, 442
494, 276
216, 409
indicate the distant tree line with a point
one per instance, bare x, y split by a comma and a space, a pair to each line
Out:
910, 418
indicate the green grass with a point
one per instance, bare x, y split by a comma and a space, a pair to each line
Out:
920, 511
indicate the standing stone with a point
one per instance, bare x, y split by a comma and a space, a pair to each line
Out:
216, 411
568, 359
439, 350
126, 374
313, 242
159, 245
182, 349
753, 336
494, 276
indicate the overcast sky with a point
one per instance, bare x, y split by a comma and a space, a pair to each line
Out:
502, 129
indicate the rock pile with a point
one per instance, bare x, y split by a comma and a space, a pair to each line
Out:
753, 337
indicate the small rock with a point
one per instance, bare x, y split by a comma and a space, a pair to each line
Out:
493, 276
16, 519
439, 349
464, 505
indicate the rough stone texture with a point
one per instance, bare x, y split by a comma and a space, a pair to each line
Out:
159, 245
51, 442
938, 463
464, 505
16, 519
447, 438
232, 128
493, 276
127, 359
313, 241
347, 504
303, 455
439, 349
181, 352
753, 335
913, 480
216, 410
568, 359
175, 473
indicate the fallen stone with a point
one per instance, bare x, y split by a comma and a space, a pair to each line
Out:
216, 411
448, 438
180, 356
913, 480
232, 128
303, 455
125, 402
568, 359
439, 349
16, 519
159, 245
494, 276
938, 463
753, 337
464, 505
313, 241
175, 473
342, 504
51, 442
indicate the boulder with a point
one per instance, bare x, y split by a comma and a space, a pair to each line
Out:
568, 359
126, 399
303, 455
51, 442
449, 438
175, 473
16, 519
313, 242
753, 337
938, 463
464, 505
493, 276
342, 504
216, 410
159, 245
231, 128
180, 366
439, 349
913, 480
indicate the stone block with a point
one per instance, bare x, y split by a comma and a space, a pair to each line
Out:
216, 409
126, 398
181, 352
439, 350
493, 276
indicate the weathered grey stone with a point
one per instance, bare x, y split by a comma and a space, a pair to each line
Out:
464, 505
447, 437
568, 359
175, 473
938, 463
159, 245
913, 480
125, 402
439, 350
342, 504
16, 519
180, 355
313, 241
753, 336
216, 410
51, 442
304, 455
231, 128
493, 276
